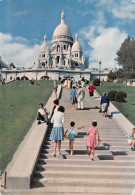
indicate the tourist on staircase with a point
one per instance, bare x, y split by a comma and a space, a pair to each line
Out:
80, 95
104, 104
55, 86
56, 105
73, 99
57, 133
91, 90
92, 132
71, 135
131, 139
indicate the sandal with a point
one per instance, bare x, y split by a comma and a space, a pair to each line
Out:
92, 159
132, 149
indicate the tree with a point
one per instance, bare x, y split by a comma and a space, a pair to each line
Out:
126, 54
112, 75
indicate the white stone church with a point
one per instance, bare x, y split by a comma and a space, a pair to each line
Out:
64, 53
64, 58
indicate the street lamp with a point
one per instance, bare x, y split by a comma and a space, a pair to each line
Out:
115, 62
99, 69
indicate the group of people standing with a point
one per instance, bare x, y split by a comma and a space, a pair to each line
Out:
77, 97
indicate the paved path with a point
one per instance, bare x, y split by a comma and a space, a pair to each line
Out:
111, 172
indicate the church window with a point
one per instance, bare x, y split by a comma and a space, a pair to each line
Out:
77, 55
43, 55
64, 46
64, 62
58, 48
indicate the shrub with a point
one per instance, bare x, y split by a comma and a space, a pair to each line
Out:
120, 96
96, 82
86, 82
111, 95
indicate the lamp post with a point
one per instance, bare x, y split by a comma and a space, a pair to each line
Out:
115, 62
99, 69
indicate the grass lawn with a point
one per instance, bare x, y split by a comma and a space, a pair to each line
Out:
127, 108
18, 108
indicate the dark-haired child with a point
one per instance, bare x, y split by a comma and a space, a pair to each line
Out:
92, 132
71, 132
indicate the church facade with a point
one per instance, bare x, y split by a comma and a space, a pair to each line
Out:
64, 53
64, 58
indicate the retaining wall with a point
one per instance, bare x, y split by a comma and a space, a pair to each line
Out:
20, 174
118, 116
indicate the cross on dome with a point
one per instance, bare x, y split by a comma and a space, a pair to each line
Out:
45, 37
62, 17
76, 37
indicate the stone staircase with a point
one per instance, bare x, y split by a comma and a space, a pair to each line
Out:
111, 172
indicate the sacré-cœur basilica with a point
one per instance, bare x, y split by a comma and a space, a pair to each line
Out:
64, 53
64, 58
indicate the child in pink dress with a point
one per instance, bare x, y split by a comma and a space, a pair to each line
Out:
91, 139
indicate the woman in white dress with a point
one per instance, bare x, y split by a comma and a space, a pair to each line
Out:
57, 133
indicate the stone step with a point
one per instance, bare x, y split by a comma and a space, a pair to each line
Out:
104, 142
86, 157
81, 168
103, 138
83, 149
80, 146
73, 188
84, 133
84, 176
98, 150
85, 162
84, 181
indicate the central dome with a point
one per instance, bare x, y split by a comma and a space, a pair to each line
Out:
62, 28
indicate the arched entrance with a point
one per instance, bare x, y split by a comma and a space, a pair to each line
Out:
44, 78
24, 78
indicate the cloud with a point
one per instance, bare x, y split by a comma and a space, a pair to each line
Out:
20, 13
104, 45
13, 50
125, 11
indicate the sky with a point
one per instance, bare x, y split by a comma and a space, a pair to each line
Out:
101, 25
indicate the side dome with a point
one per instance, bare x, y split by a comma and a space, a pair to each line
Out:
44, 46
76, 46
62, 28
